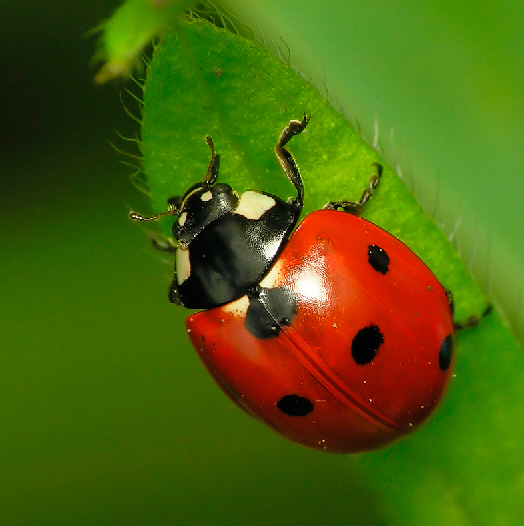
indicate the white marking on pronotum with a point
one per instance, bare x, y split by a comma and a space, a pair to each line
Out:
206, 196
182, 219
253, 204
183, 265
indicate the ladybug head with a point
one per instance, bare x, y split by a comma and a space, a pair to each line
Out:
202, 203
200, 206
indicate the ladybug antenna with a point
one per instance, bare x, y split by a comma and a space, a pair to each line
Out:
171, 211
212, 169
175, 202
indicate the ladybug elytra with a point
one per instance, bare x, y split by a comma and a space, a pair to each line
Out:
333, 333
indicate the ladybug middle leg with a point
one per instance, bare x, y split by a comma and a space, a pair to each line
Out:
356, 208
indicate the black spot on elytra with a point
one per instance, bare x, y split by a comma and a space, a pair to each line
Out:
269, 310
294, 405
445, 353
365, 344
378, 258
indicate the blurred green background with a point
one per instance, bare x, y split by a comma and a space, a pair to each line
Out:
106, 415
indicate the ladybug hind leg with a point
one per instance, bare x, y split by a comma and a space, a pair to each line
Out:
356, 208
473, 321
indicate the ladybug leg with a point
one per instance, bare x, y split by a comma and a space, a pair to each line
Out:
164, 244
173, 294
356, 208
286, 160
449, 295
473, 321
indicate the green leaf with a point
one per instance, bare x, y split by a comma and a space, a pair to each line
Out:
130, 28
203, 80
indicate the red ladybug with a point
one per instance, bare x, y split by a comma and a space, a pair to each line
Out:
334, 334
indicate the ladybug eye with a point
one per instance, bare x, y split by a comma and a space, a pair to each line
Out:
365, 344
378, 258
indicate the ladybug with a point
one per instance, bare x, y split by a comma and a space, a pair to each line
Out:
333, 332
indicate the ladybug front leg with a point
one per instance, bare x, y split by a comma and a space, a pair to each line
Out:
356, 208
286, 159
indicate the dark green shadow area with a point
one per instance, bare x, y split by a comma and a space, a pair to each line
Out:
106, 414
